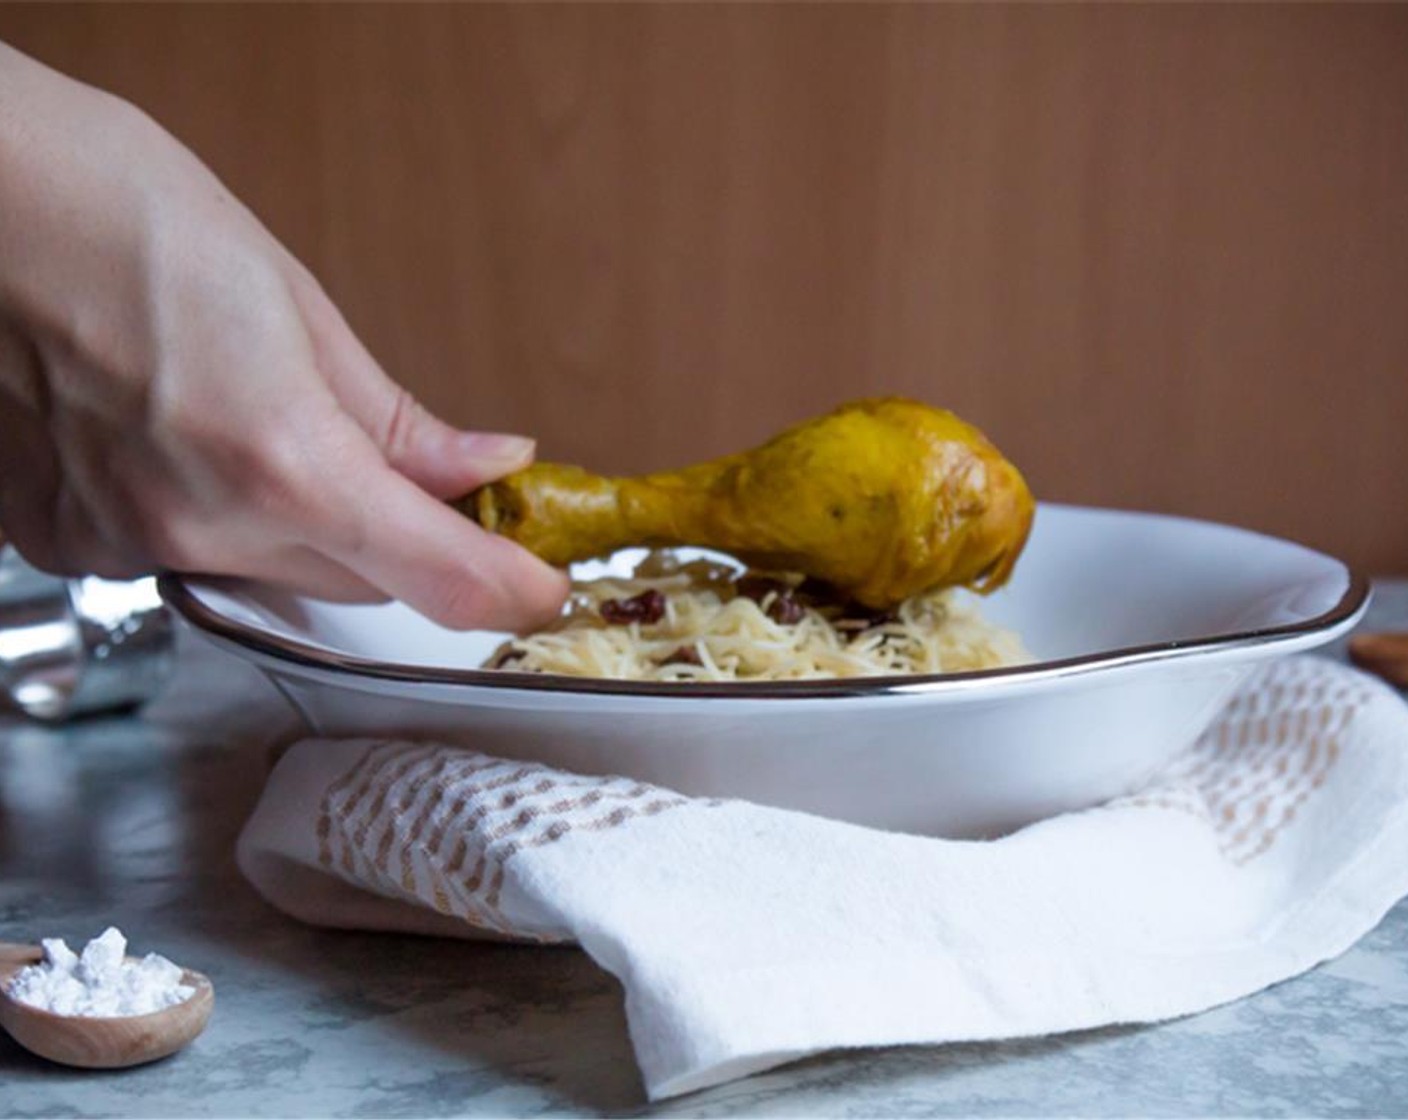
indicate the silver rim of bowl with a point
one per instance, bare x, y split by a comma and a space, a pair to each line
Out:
185, 602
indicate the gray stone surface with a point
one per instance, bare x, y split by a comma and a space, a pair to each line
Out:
132, 821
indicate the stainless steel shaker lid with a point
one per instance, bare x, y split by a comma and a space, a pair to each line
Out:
70, 647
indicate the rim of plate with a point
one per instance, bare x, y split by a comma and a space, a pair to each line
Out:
181, 598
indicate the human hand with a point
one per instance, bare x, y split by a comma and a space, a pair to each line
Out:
177, 392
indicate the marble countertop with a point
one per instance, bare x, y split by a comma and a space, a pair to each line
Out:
132, 822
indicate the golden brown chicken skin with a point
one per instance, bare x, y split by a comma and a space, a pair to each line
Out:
881, 498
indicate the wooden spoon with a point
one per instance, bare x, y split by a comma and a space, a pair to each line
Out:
100, 1043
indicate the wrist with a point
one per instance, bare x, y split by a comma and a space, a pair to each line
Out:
69, 198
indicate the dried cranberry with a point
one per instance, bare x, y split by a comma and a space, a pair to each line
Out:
647, 607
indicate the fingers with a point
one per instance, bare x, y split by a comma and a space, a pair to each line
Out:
339, 524
443, 460
392, 532
29, 468
53, 531
396, 537
61, 538
24, 515
81, 548
307, 572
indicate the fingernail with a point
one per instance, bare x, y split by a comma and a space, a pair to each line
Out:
497, 447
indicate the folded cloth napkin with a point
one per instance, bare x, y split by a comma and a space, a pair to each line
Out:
746, 936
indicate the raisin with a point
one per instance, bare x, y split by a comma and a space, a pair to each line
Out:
785, 609
685, 655
815, 591
758, 587
647, 607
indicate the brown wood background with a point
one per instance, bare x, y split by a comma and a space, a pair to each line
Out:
1159, 253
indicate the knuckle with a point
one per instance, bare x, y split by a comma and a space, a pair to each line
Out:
405, 418
277, 477
158, 527
344, 525
265, 471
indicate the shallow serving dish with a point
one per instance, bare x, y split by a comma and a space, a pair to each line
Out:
1142, 625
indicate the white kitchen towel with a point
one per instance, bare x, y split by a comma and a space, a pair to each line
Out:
745, 936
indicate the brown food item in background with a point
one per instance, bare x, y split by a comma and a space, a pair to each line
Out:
647, 607
1383, 654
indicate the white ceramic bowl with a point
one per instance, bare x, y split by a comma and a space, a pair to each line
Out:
1142, 624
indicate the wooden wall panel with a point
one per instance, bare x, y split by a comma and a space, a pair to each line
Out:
1160, 253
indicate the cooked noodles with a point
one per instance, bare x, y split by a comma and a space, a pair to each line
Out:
703, 621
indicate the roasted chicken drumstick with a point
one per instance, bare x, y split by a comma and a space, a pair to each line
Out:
881, 499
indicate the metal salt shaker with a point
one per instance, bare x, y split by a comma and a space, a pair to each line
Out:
71, 647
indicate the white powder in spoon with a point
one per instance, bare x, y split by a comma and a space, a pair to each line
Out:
99, 982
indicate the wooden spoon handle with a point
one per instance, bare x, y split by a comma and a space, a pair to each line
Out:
14, 956
1383, 654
